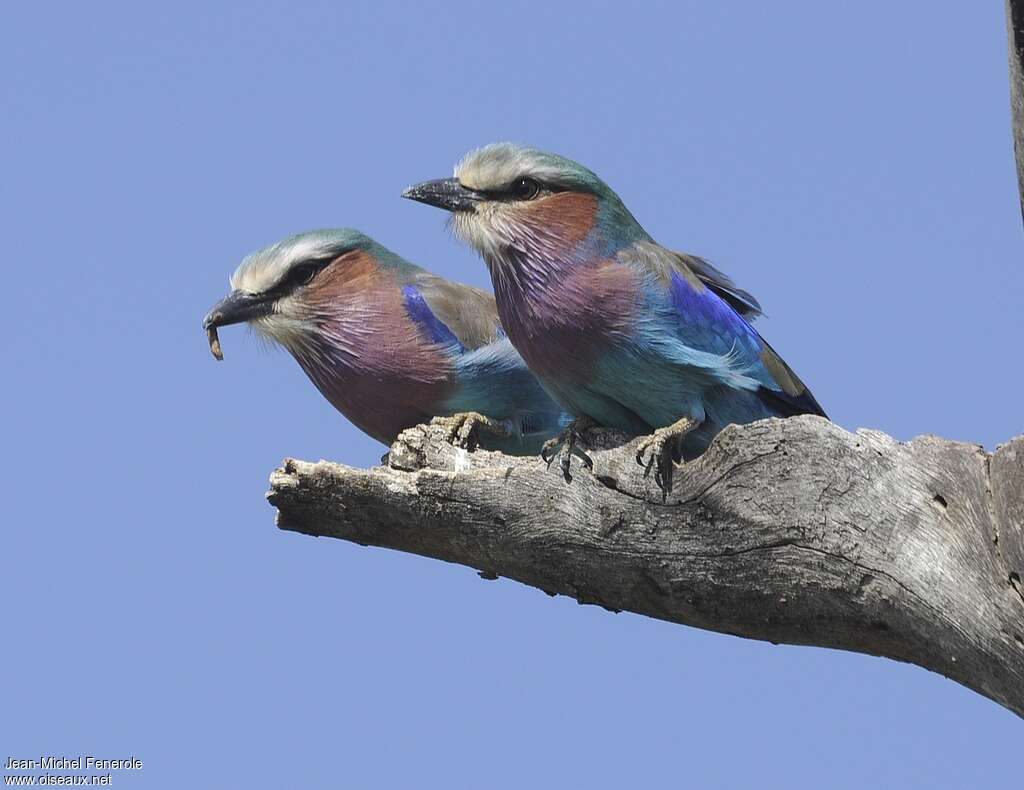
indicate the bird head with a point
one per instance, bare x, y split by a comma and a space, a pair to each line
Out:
507, 199
286, 291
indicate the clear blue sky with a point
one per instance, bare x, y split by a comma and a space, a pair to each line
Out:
849, 163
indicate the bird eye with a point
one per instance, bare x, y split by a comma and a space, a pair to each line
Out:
303, 274
524, 189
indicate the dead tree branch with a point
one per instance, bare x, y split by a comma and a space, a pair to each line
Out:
791, 531
1015, 31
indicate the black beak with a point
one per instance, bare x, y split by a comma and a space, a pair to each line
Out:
446, 193
236, 307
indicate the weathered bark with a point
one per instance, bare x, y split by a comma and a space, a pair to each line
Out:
1015, 30
790, 531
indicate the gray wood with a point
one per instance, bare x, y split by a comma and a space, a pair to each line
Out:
791, 531
1015, 30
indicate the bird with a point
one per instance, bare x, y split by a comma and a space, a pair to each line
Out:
389, 344
623, 332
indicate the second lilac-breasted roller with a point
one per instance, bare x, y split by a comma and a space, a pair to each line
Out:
389, 344
622, 331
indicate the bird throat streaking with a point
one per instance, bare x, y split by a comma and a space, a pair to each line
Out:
622, 331
387, 343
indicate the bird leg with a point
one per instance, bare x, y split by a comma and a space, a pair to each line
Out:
664, 446
464, 427
566, 444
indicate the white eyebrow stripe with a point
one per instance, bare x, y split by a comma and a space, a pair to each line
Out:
495, 166
263, 269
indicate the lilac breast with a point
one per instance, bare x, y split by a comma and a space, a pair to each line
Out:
564, 320
374, 365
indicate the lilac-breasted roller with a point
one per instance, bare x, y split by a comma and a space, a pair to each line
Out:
620, 330
389, 344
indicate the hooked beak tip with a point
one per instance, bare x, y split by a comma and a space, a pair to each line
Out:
235, 308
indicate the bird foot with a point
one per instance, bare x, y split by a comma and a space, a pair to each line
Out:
566, 444
464, 428
661, 449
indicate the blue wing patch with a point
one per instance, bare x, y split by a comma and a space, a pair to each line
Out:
706, 309
433, 327
741, 301
713, 323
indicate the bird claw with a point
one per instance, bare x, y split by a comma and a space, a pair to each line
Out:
464, 428
566, 445
661, 458
660, 450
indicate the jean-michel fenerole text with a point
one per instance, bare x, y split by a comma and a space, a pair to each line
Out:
81, 763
